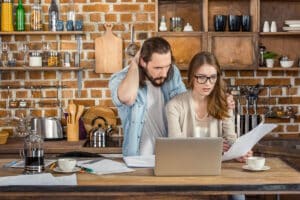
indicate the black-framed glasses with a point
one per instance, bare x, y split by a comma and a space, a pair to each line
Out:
202, 79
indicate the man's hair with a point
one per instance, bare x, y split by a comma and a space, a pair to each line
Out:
149, 47
216, 102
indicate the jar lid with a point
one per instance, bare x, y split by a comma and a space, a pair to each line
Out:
35, 54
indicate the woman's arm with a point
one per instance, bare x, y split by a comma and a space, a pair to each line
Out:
173, 112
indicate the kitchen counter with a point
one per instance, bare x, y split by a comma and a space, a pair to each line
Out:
14, 145
142, 184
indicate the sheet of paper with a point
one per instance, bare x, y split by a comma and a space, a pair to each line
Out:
140, 161
246, 142
38, 179
105, 166
20, 163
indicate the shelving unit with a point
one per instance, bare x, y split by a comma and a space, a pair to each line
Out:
42, 33
234, 50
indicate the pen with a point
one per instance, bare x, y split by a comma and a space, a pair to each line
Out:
10, 164
89, 170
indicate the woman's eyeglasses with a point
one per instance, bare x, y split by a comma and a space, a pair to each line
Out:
202, 79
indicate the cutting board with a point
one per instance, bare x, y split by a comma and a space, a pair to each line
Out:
108, 52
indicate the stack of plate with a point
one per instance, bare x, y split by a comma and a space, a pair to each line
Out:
293, 25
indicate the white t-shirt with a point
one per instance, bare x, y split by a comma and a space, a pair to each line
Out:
155, 120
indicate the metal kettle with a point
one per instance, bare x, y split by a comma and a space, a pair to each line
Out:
98, 135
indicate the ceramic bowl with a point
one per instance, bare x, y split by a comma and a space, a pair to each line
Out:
286, 63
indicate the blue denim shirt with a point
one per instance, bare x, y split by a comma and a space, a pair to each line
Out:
133, 117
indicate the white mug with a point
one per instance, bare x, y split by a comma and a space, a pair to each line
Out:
273, 26
66, 164
255, 162
266, 27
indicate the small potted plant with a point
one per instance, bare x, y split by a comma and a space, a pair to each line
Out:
269, 58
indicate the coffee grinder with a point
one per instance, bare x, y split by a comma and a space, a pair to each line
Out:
33, 153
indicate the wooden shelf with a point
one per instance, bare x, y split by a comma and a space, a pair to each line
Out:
279, 33
278, 69
180, 34
41, 68
42, 33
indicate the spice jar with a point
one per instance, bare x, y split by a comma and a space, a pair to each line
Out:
35, 59
7, 16
13, 104
53, 59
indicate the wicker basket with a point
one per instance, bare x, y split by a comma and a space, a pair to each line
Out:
3, 137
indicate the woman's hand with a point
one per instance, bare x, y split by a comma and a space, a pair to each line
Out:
226, 146
243, 158
230, 101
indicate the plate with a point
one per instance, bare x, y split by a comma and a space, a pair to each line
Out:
291, 28
246, 167
57, 169
288, 22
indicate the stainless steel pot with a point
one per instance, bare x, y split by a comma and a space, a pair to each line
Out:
47, 127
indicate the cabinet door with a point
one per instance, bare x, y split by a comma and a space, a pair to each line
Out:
234, 50
185, 47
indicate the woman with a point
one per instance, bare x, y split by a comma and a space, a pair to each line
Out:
204, 106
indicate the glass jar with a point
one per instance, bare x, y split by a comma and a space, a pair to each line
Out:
36, 23
35, 59
7, 16
33, 153
52, 59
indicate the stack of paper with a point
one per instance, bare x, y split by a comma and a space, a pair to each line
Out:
104, 166
38, 179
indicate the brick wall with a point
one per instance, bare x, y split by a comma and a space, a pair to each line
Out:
95, 90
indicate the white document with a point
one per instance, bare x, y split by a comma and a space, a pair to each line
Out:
38, 179
246, 142
20, 164
105, 166
140, 161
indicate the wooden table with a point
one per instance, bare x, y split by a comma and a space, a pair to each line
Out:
280, 179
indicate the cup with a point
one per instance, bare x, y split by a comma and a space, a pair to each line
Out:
234, 22
66, 164
220, 22
255, 162
246, 23
78, 25
69, 25
59, 25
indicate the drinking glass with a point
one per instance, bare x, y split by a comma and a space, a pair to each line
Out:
23, 47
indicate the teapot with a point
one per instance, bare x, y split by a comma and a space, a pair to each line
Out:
98, 135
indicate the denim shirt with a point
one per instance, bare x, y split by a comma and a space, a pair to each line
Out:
133, 117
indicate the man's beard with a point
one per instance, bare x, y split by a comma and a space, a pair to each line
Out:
153, 80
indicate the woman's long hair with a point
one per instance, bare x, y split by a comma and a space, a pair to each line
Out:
216, 101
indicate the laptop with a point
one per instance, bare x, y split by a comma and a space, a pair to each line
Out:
188, 156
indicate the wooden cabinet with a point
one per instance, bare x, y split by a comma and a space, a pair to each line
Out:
235, 50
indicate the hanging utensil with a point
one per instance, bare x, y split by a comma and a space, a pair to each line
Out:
132, 48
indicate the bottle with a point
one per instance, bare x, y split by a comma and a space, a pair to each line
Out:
36, 23
71, 12
7, 16
163, 26
20, 17
262, 50
53, 15
273, 27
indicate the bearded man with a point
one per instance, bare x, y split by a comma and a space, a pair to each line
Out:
140, 92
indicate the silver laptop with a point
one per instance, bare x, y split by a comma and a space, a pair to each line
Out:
188, 156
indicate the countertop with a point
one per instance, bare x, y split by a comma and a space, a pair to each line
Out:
280, 179
14, 145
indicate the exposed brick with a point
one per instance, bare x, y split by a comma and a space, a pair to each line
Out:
96, 84
126, 8
261, 73
67, 94
95, 17
292, 128
107, 93
276, 91
106, 103
96, 93
277, 81
141, 17
95, 8
110, 17
126, 17
247, 81
149, 8
145, 27
50, 113
247, 73
68, 45
50, 75
277, 73
87, 46
35, 75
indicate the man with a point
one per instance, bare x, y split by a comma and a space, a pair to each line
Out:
140, 92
